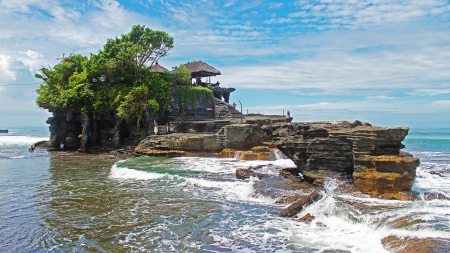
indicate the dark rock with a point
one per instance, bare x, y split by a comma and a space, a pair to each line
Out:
291, 173
260, 149
417, 245
298, 205
288, 199
352, 150
307, 218
248, 172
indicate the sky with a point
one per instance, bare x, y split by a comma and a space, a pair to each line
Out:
386, 62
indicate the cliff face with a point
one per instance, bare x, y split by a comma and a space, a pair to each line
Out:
240, 137
107, 131
368, 155
91, 131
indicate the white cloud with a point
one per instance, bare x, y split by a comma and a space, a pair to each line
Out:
442, 104
380, 97
33, 60
430, 92
355, 14
5, 72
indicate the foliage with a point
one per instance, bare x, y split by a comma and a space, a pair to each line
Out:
189, 94
133, 103
182, 76
117, 78
56, 80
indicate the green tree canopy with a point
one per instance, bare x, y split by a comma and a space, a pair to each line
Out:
112, 78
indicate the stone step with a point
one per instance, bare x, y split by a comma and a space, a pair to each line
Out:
218, 124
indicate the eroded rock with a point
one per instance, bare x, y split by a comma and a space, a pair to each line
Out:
417, 245
291, 173
302, 202
351, 150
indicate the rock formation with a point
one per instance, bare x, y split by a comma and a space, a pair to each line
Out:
241, 137
370, 156
107, 131
302, 202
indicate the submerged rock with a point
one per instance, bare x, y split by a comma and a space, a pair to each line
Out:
291, 173
298, 205
417, 245
249, 172
307, 218
257, 153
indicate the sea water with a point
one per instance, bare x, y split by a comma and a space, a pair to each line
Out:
68, 202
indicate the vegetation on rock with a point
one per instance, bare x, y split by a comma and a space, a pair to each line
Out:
116, 79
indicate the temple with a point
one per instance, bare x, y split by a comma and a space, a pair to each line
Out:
204, 115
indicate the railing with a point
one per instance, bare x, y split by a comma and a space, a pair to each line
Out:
162, 130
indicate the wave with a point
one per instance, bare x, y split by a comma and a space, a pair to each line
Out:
231, 190
19, 140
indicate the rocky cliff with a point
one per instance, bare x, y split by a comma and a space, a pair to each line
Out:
369, 156
106, 131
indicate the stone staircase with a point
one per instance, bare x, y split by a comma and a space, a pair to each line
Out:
222, 138
235, 114
218, 124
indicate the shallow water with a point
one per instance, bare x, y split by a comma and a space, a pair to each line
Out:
63, 202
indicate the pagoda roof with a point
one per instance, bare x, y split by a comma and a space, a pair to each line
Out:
158, 68
200, 69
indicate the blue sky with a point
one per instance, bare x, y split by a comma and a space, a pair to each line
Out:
382, 61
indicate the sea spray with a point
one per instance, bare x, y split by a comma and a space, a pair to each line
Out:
82, 202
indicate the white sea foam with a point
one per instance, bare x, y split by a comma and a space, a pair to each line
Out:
230, 190
126, 173
18, 157
284, 163
434, 178
19, 140
202, 164
343, 221
233, 190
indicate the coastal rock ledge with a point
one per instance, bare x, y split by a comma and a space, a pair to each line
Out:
367, 155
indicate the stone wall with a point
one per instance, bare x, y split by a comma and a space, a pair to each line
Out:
202, 110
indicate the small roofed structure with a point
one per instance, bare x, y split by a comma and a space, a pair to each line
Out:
158, 68
200, 69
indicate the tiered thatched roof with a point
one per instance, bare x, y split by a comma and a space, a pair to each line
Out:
158, 68
200, 69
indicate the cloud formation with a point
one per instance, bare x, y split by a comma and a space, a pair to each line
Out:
332, 57
5, 72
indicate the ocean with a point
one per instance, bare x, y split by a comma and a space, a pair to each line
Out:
69, 202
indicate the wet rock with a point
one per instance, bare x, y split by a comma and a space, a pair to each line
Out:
298, 205
385, 174
178, 144
350, 150
291, 173
288, 199
436, 173
39, 144
228, 153
417, 245
307, 218
408, 196
433, 196
261, 149
265, 154
249, 172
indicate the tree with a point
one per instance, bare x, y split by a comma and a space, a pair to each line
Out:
57, 82
126, 59
116, 79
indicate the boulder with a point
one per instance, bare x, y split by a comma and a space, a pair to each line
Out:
302, 202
